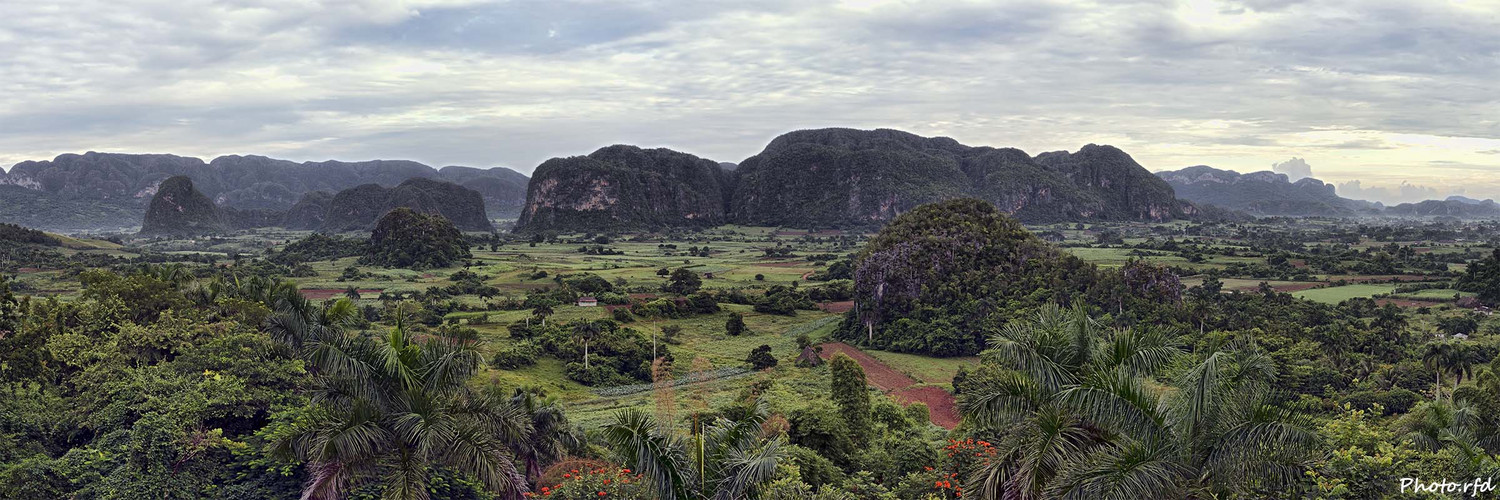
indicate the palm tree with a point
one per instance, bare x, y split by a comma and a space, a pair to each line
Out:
352, 293
1437, 355
1076, 417
389, 410
586, 332
542, 311
722, 460
549, 436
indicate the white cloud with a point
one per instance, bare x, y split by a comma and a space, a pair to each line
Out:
1371, 90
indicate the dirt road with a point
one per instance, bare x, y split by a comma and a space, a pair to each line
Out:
900, 386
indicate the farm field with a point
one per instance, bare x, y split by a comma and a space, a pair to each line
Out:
1334, 295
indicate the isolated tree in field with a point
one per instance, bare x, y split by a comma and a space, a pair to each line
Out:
684, 282
352, 293
761, 358
735, 325
847, 388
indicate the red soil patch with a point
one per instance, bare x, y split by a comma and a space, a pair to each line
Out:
642, 295
328, 293
806, 275
837, 307
1294, 287
943, 407
1380, 278
1407, 303
940, 404
27, 270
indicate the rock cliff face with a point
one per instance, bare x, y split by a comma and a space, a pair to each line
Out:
113, 188
842, 177
624, 187
358, 208
309, 212
1261, 193
178, 209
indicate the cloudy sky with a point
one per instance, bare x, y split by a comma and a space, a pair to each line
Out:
1381, 92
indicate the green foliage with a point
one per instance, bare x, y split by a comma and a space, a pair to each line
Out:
937, 277
683, 282
735, 326
820, 427
1483, 277
318, 247
11, 234
721, 458
760, 358
1062, 378
846, 381
405, 238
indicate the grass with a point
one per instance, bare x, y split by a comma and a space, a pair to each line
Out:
1334, 295
927, 369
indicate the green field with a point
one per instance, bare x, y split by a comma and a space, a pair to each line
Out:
1334, 295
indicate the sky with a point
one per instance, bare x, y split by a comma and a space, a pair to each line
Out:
1375, 96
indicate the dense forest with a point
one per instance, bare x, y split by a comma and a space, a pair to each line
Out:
1215, 359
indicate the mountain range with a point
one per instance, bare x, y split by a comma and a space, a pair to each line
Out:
821, 178
111, 190
1263, 193
179, 209
839, 177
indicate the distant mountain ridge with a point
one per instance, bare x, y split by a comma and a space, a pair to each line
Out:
1263, 193
1465, 208
108, 186
839, 178
179, 209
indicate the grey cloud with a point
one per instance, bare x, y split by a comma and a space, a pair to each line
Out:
514, 82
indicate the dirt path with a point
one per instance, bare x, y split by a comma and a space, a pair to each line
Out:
900, 386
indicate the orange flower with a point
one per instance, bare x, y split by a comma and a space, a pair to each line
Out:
602, 493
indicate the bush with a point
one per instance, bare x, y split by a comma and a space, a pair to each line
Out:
622, 315
736, 324
518, 355
760, 358
1395, 401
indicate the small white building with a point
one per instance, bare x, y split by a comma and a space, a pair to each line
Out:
587, 302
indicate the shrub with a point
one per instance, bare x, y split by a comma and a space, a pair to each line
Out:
518, 355
760, 358
736, 324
